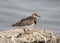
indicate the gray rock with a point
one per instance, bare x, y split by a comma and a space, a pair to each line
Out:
35, 36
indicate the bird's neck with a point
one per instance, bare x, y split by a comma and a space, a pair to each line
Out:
34, 19
34, 16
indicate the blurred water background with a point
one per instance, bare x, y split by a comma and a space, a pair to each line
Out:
12, 11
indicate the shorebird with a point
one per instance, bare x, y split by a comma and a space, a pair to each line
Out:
27, 21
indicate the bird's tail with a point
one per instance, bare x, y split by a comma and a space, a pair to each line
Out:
13, 25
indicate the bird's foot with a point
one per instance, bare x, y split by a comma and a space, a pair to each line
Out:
26, 31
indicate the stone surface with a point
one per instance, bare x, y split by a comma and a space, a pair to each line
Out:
36, 36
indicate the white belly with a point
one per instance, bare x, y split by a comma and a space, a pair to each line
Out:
30, 26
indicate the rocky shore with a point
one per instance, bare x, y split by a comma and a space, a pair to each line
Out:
36, 36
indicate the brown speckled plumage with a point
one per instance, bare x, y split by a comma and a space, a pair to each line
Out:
27, 21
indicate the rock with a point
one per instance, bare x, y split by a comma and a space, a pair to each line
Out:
36, 36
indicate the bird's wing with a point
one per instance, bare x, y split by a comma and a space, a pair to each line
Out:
30, 19
27, 21
24, 21
19, 23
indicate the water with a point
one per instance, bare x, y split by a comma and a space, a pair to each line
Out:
12, 11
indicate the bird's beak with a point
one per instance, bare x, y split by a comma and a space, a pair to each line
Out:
38, 16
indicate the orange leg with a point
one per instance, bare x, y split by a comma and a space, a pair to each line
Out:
27, 32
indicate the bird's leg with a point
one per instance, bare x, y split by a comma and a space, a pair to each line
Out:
26, 31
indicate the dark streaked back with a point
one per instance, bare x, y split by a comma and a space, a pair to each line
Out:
26, 21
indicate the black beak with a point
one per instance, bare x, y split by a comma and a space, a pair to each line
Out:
38, 16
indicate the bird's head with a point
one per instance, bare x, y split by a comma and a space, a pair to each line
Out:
35, 15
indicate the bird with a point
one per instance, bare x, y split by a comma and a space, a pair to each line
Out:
27, 21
